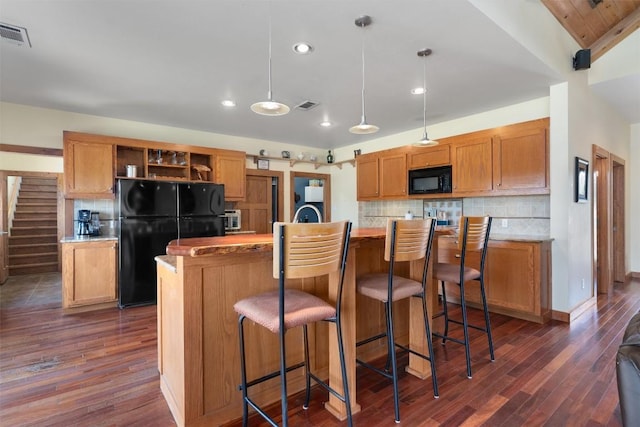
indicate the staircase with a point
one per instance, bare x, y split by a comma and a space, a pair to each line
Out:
33, 236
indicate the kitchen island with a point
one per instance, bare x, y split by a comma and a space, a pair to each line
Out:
200, 279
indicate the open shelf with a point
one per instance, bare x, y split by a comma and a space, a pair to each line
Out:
292, 162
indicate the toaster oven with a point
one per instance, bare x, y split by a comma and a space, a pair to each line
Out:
232, 220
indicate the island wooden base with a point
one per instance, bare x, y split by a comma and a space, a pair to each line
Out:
198, 350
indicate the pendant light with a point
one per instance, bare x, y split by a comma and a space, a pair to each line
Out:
270, 107
363, 128
425, 141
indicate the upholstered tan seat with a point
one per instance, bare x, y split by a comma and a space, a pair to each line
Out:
300, 251
299, 308
473, 237
406, 241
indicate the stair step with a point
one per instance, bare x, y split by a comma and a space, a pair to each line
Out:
30, 240
49, 188
36, 195
34, 222
30, 180
44, 267
32, 248
37, 207
32, 231
35, 215
30, 259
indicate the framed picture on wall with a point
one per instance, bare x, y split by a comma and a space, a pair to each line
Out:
582, 180
263, 164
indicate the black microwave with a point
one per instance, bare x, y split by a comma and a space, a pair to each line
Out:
430, 180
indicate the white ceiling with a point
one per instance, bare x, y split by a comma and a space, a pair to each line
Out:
171, 62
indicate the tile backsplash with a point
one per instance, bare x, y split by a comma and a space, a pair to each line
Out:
513, 215
107, 210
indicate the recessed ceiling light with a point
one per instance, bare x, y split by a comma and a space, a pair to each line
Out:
417, 90
302, 48
228, 103
325, 124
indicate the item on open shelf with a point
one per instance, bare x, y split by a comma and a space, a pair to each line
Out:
313, 157
159, 158
301, 156
200, 169
174, 158
329, 157
182, 161
286, 155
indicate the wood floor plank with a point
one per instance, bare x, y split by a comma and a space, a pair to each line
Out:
100, 369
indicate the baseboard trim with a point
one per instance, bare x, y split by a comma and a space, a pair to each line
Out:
575, 312
633, 275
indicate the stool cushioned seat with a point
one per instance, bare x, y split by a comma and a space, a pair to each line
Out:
375, 286
299, 308
451, 272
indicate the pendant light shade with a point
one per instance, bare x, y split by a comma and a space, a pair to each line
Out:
363, 127
270, 107
425, 141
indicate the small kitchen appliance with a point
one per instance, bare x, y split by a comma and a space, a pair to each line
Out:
232, 219
94, 226
84, 222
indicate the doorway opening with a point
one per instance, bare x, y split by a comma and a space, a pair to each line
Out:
608, 220
310, 191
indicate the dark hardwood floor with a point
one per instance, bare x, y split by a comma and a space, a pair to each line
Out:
99, 369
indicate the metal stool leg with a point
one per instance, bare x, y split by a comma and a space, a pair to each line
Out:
486, 320
430, 346
465, 328
307, 374
243, 373
392, 352
445, 312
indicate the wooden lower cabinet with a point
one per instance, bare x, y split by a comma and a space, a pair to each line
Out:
517, 278
89, 274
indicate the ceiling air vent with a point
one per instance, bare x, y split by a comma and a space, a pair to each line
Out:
306, 105
14, 34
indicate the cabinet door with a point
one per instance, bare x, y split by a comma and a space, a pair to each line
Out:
88, 170
367, 177
393, 175
429, 156
88, 273
510, 271
520, 160
472, 165
230, 171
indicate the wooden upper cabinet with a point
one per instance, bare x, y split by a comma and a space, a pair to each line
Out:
471, 164
230, 170
393, 175
88, 169
367, 176
425, 157
521, 159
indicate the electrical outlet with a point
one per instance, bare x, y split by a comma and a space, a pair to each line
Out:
505, 223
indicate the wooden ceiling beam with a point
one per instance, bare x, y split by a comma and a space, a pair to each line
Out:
615, 35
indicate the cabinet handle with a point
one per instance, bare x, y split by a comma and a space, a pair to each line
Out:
457, 255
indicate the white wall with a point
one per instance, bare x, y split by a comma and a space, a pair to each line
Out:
632, 170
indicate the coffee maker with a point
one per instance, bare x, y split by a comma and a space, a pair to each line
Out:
84, 222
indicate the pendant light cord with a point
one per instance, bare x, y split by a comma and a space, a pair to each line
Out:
269, 93
364, 118
424, 95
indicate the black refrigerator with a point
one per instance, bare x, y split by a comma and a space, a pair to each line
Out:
151, 214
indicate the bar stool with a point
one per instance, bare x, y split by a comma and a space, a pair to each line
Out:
474, 237
300, 251
406, 240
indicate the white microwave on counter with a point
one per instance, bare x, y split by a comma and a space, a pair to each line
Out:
232, 220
